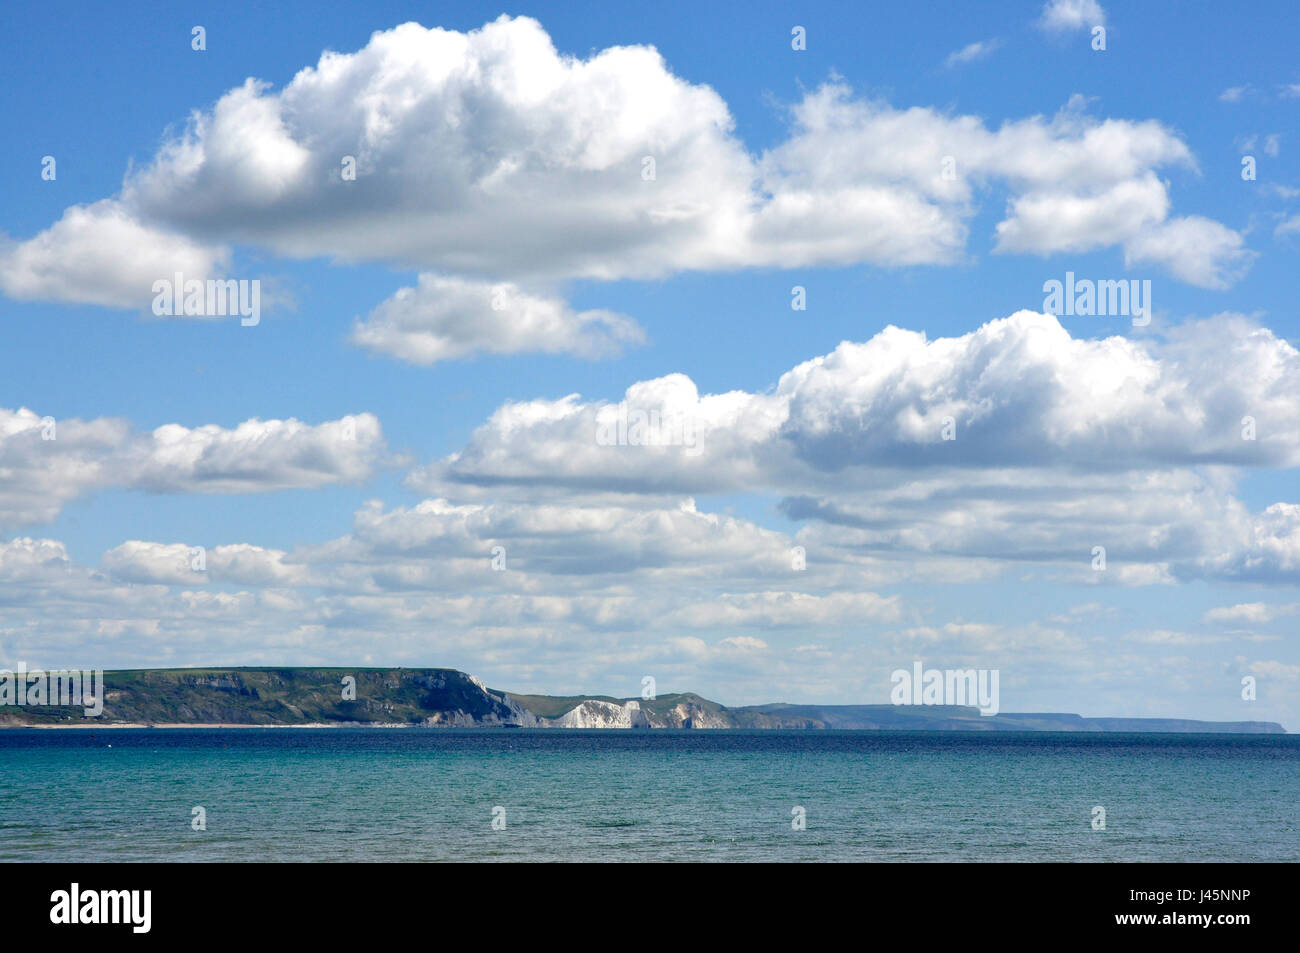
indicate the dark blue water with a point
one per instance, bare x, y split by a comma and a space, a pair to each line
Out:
430, 794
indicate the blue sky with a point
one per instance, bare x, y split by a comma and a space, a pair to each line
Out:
816, 168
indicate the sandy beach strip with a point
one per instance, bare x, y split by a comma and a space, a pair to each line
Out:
131, 724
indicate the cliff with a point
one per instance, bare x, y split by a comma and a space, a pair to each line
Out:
442, 697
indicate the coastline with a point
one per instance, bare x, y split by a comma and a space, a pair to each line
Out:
219, 726
175, 725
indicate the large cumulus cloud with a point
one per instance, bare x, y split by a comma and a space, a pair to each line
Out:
1015, 441
490, 155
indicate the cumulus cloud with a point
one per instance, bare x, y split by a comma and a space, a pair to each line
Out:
1072, 222
144, 562
410, 581
570, 571
24, 560
1274, 670
1061, 16
444, 318
101, 254
490, 156
1166, 637
560, 540
45, 463
1251, 613
778, 609
477, 153
180, 564
1021, 391
1196, 250
1076, 185
1059, 443
1274, 549
255, 456
1147, 521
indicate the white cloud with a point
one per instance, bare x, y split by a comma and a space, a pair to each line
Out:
182, 564
490, 156
1196, 250
1144, 574
256, 456
45, 463
1021, 391
1272, 669
573, 574
1251, 613
484, 153
101, 254
24, 560
988, 638
561, 540
1156, 528
713, 623
742, 643
1061, 444
1065, 15
1275, 546
772, 609
1169, 638
1234, 94
143, 562
445, 318
1077, 222
1077, 184
971, 52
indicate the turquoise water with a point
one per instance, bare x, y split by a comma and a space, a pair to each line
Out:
429, 794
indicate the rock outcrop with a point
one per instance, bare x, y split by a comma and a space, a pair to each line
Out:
594, 713
444, 697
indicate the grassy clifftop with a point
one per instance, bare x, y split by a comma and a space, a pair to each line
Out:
446, 697
282, 696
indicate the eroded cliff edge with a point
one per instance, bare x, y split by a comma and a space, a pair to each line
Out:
442, 697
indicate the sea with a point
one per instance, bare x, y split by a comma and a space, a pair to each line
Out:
430, 794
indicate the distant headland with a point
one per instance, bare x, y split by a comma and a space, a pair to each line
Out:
443, 697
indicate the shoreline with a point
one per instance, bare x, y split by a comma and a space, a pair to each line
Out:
220, 726
175, 725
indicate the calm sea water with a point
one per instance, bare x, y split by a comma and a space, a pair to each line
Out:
429, 794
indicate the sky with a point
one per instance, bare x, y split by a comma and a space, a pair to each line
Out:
711, 345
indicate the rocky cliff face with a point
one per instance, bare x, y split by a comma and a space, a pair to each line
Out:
291, 696
594, 713
514, 714
687, 714
445, 697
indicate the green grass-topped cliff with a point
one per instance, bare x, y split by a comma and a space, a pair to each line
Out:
441, 697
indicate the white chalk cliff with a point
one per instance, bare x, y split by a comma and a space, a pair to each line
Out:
594, 713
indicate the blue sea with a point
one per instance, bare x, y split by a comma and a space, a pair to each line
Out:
433, 795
